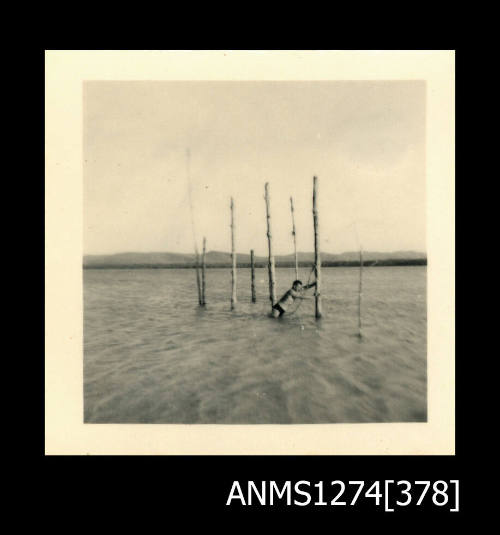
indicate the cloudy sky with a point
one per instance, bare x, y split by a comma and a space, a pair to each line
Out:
364, 140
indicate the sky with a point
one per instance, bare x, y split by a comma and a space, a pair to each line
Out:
365, 141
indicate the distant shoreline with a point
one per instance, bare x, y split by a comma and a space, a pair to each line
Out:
340, 263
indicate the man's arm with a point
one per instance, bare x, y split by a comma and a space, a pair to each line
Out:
307, 286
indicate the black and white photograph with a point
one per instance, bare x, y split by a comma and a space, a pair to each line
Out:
256, 252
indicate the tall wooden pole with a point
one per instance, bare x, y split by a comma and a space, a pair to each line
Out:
198, 281
317, 255
252, 267
203, 268
360, 291
233, 260
270, 264
197, 256
294, 241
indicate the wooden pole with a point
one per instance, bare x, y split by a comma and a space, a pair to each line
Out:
252, 267
360, 290
294, 241
197, 267
270, 264
196, 255
317, 254
233, 259
198, 281
203, 268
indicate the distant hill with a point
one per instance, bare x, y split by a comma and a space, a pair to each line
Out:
220, 259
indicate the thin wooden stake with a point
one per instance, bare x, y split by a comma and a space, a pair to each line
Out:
203, 268
317, 254
198, 281
360, 291
196, 255
294, 241
270, 264
233, 259
252, 267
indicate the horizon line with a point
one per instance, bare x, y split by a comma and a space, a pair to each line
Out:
247, 253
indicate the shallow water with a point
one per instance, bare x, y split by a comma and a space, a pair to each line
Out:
152, 355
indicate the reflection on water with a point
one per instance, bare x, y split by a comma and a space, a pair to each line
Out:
152, 355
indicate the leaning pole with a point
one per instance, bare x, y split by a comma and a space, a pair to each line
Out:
294, 241
360, 290
252, 276
233, 260
196, 255
203, 269
270, 263
317, 254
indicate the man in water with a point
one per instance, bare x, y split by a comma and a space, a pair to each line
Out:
289, 297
